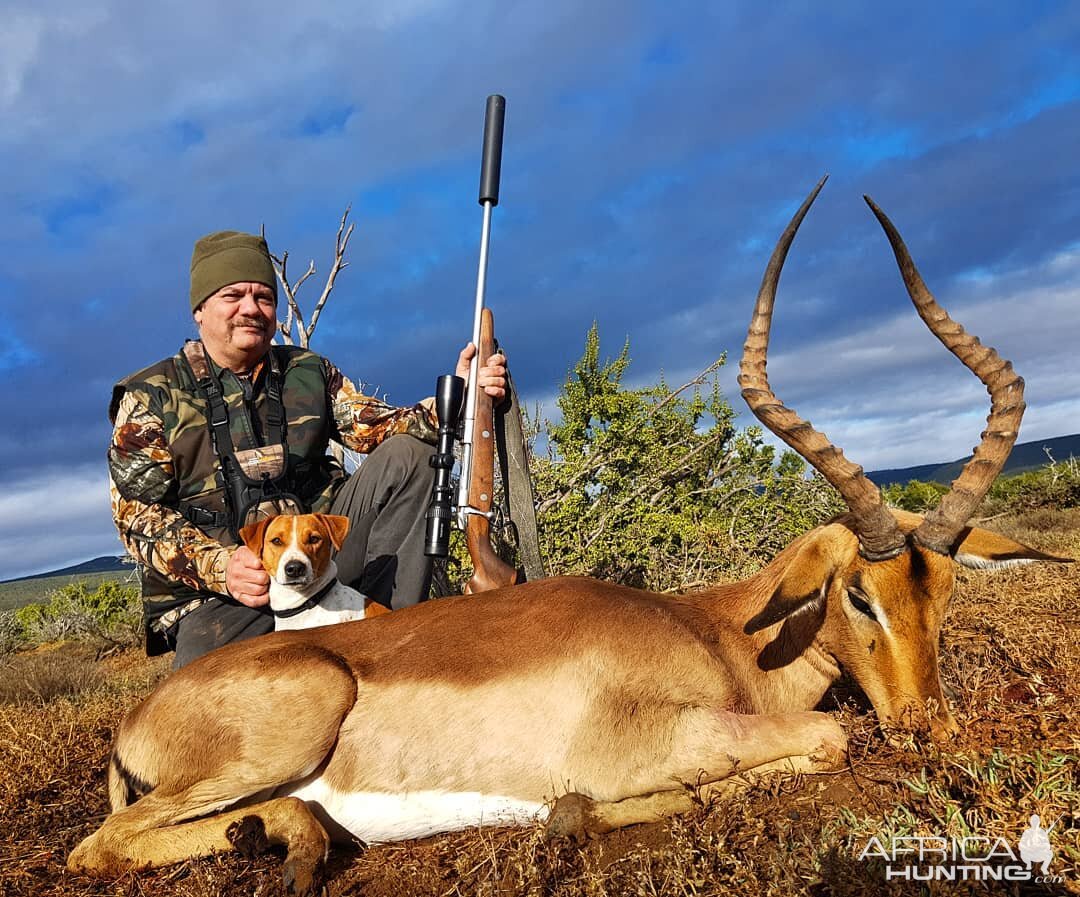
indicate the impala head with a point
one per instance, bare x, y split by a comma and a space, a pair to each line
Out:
876, 582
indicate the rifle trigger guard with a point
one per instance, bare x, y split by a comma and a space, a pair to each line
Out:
495, 516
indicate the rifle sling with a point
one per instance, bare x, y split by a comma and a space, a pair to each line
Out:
514, 466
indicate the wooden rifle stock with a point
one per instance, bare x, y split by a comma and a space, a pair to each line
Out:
489, 570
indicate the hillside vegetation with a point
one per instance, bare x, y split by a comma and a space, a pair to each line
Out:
30, 590
1025, 456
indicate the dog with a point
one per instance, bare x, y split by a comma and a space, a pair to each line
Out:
295, 550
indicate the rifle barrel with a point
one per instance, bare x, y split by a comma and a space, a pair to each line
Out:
490, 173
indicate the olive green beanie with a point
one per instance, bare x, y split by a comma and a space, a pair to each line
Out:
229, 256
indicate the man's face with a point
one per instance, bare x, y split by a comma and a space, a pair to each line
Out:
237, 324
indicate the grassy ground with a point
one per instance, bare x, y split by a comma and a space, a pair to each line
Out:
1011, 656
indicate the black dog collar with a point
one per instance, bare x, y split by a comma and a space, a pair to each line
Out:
309, 604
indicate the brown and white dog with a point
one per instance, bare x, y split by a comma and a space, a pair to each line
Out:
295, 551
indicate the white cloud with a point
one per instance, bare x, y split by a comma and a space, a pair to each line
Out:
24, 42
890, 394
54, 519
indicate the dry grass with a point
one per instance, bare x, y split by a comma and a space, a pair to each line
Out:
1011, 656
48, 673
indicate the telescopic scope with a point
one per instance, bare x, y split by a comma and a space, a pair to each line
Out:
449, 394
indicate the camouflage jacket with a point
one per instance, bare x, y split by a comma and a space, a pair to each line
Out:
161, 457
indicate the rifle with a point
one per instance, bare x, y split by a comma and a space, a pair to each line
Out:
477, 482
476, 491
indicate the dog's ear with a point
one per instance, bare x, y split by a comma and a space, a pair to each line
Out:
252, 535
336, 526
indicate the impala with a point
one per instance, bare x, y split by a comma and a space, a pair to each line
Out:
602, 699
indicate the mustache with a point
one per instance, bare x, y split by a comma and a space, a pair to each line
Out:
258, 323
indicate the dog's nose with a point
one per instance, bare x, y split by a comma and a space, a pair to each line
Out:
295, 568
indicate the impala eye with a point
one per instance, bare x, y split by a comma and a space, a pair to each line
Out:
861, 604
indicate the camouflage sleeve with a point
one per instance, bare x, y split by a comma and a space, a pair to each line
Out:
140, 476
362, 422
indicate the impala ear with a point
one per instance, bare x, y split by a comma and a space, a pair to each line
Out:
981, 549
806, 579
780, 607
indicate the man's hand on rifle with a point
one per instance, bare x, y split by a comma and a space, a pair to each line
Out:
492, 377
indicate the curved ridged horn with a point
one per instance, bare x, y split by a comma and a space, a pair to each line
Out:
880, 537
940, 528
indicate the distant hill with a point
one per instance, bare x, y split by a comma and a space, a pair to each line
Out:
105, 564
15, 593
1025, 456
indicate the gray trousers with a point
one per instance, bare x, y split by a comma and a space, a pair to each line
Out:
386, 500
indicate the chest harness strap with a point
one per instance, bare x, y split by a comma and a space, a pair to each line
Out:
251, 477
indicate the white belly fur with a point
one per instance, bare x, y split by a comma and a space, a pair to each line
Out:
374, 816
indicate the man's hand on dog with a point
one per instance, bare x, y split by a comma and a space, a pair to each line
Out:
246, 579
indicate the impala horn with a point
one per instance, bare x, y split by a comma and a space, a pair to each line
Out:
880, 537
942, 526
879, 534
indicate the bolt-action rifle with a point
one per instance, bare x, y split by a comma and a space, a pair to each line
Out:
475, 497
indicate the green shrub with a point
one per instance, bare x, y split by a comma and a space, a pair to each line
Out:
654, 487
1057, 485
11, 635
110, 613
917, 496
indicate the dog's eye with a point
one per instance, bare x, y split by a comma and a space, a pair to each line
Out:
314, 540
276, 541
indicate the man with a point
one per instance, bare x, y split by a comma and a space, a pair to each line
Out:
231, 428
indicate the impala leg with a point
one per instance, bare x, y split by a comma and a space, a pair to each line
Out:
198, 760
733, 752
577, 816
130, 839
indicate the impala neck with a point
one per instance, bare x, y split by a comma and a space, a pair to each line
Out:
785, 667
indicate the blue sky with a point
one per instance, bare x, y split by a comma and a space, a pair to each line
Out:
653, 153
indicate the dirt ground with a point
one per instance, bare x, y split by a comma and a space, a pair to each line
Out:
1011, 659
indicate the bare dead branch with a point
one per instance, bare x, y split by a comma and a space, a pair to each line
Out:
697, 381
294, 314
340, 245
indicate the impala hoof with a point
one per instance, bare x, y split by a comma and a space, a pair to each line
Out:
300, 876
835, 746
571, 817
93, 859
944, 727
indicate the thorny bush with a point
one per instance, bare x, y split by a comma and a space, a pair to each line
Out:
111, 614
654, 487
